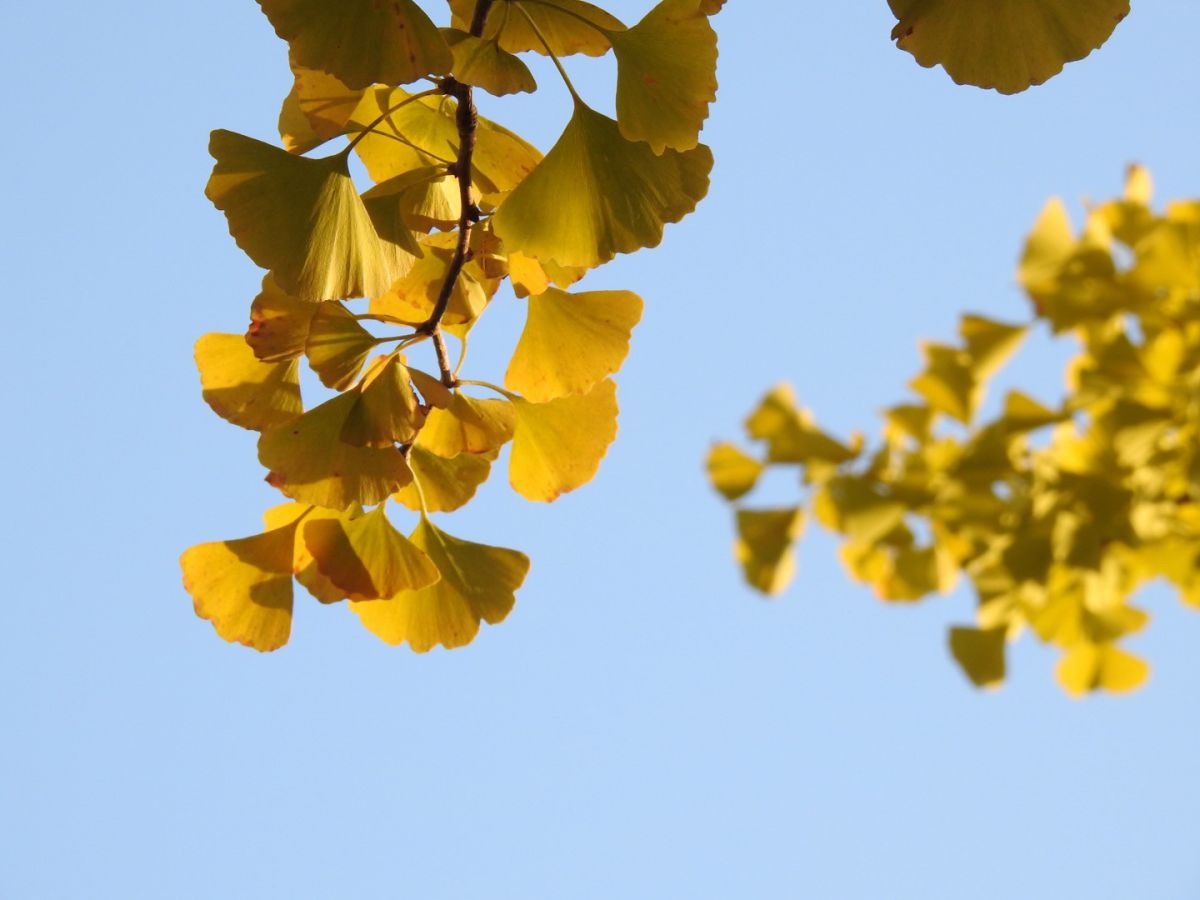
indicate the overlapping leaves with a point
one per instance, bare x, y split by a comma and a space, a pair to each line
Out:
1055, 513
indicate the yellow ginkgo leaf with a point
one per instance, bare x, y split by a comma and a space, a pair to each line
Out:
303, 219
980, 653
989, 344
527, 275
948, 383
557, 446
1047, 248
855, 507
310, 462
1091, 667
568, 26
303, 565
1008, 45
387, 411
337, 346
764, 546
243, 389
467, 425
596, 195
485, 64
244, 587
279, 323
790, 433
366, 556
412, 298
425, 198
361, 42
666, 75
445, 484
315, 110
478, 584
571, 342
731, 471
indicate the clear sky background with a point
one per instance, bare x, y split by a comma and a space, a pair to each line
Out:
642, 725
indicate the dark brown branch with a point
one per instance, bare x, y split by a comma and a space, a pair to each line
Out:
467, 121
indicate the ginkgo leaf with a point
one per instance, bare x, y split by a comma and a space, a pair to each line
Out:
1047, 248
303, 565
764, 546
1008, 45
468, 425
571, 342
557, 446
310, 462
445, 484
980, 653
387, 411
858, 509
596, 195
316, 109
485, 64
568, 26
947, 383
412, 298
367, 557
731, 471
790, 433
244, 587
279, 323
303, 219
989, 344
425, 198
361, 42
244, 390
1090, 667
478, 584
337, 346
1022, 412
666, 74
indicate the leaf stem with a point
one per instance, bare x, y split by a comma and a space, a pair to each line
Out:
545, 43
508, 395
379, 120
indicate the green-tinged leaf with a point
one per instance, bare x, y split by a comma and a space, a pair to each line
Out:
1008, 45
467, 425
279, 323
557, 446
731, 471
337, 346
666, 75
485, 64
563, 23
302, 219
446, 484
478, 583
310, 462
388, 411
365, 556
361, 42
764, 547
244, 587
980, 653
243, 389
571, 342
596, 195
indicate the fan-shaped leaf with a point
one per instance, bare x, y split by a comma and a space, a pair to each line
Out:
447, 484
468, 425
302, 219
243, 389
980, 653
732, 472
337, 346
557, 446
571, 342
596, 195
279, 323
387, 411
563, 23
315, 110
764, 546
303, 565
365, 556
484, 64
478, 584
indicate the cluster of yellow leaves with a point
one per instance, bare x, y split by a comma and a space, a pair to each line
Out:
458, 206
1055, 514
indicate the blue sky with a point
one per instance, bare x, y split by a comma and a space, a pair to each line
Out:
641, 726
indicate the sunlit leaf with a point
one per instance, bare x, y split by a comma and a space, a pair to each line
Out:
1092, 667
303, 565
244, 587
388, 411
790, 433
413, 298
316, 109
279, 323
1004, 44
731, 471
478, 583
468, 425
764, 547
666, 74
310, 462
365, 556
446, 484
361, 42
980, 653
558, 446
571, 342
597, 194
563, 23
484, 64
302, 219
337, 346
243, 389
